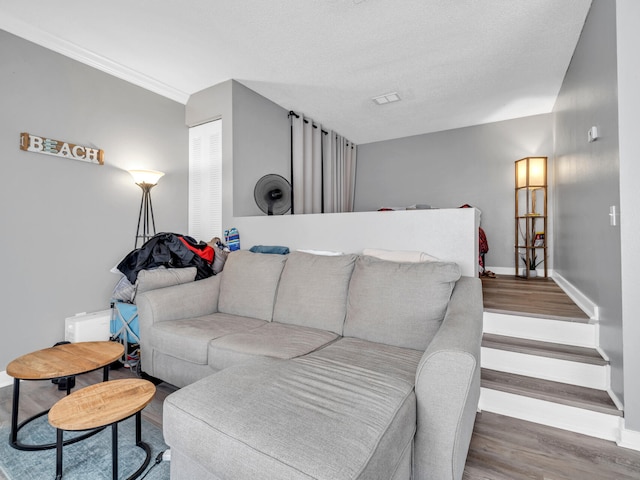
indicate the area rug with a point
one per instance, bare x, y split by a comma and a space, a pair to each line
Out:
88, 459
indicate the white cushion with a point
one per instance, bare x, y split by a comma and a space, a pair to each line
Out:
399, 255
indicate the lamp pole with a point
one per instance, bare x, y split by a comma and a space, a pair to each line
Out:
146, 180
145, 216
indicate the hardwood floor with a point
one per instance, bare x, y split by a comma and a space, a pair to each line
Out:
502, 448
505, 448
535, 296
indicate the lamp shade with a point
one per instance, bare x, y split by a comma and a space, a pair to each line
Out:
531, 172
150, 177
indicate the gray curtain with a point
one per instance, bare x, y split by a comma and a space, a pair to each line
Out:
323, 168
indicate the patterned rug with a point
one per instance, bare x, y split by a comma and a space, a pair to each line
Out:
89, 459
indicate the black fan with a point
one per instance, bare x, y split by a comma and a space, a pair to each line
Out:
273, 194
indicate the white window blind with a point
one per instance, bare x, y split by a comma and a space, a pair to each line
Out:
205, 181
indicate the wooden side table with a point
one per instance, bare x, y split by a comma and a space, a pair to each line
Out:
59, 361
101, 405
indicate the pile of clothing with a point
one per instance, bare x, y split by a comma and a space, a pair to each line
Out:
169, 250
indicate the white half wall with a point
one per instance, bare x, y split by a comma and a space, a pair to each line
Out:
448, 234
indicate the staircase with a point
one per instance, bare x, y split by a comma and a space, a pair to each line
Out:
546, 369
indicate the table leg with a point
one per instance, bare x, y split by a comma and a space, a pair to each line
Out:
114, 450
138, 428
143, 445
59, 443
105, 373
14, 412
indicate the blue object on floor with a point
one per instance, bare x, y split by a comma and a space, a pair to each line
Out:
124, 322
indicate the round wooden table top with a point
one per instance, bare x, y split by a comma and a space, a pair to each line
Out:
101, 404
65, 360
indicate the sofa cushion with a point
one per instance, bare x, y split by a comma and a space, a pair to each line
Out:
410, 256
388, 360
249, 283
401, 304
270, 340
163, 277
188, 339
294, 419
313, 291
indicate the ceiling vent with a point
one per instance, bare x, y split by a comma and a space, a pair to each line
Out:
386, 98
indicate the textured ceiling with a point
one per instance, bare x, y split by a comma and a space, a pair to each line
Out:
454, 63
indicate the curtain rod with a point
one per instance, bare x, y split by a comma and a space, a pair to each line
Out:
294, 114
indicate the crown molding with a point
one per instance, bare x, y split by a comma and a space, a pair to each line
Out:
87, 57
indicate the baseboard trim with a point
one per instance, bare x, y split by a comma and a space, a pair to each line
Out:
512, 271
502, 270
580, 299
585, 422
5, 379
614, 397
628, 438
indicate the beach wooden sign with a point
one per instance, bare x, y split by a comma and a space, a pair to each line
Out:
48, 146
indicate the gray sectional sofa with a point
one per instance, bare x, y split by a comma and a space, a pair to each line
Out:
303, 366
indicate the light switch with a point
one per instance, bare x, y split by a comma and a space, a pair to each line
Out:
613, 216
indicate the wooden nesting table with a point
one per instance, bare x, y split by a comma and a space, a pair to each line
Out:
101, 405
56, 362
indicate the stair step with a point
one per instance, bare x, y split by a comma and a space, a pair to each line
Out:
541, 328
544, 349
540, 296
560, 393
540, 361
557, 415
548, 316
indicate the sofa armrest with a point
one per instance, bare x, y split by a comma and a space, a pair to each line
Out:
186, 300
448, 387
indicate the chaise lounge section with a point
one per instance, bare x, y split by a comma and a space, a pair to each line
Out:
326, 367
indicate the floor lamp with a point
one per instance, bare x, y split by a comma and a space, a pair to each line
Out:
146, 180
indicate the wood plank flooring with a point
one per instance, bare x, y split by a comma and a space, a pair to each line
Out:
535, 297
502, 448
543, 349
562, 393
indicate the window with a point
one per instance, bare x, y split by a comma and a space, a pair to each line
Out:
205, 181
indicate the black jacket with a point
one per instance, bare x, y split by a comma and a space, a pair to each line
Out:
164, 249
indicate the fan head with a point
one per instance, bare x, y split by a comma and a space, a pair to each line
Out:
273, 194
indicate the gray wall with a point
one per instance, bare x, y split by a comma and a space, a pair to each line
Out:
473, 165
628, 39
391, 173
255, 142
261, 137
587, 252
66, 223
211, 104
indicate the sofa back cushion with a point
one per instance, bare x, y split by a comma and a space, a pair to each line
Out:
400, 304
248, 284
313, 291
